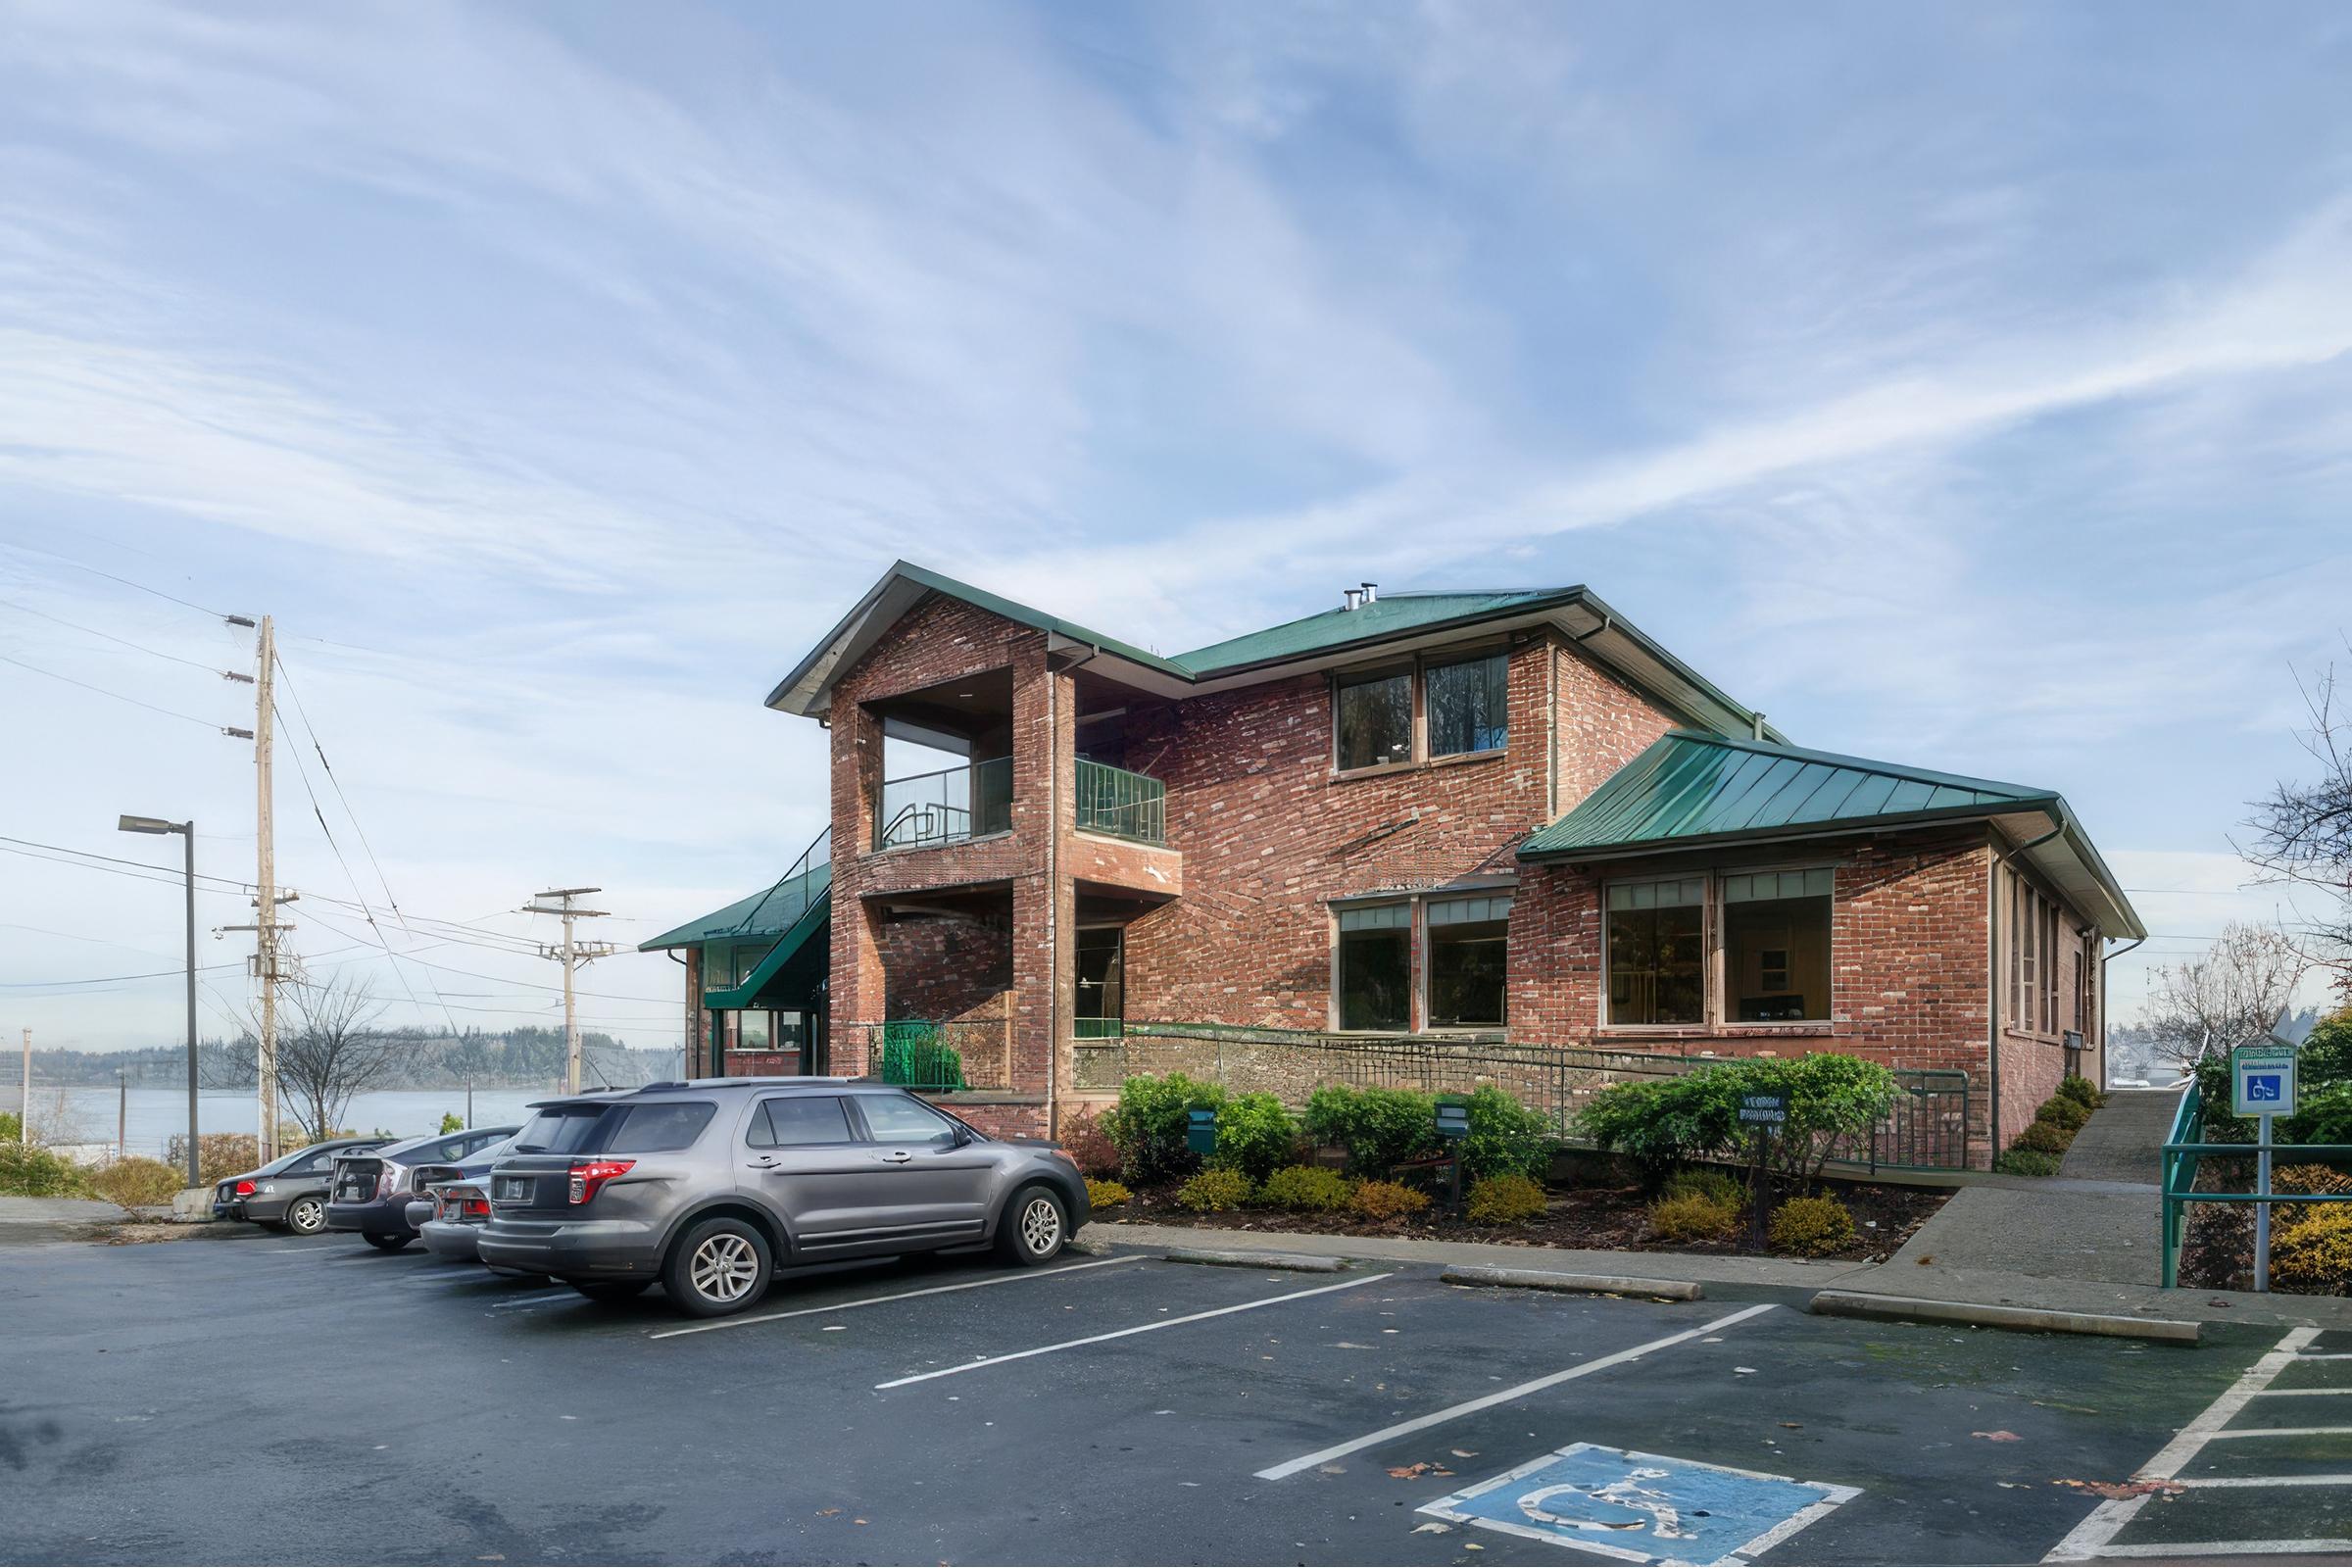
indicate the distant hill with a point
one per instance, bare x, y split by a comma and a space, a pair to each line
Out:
511, 1058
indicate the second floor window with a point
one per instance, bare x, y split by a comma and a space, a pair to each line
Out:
1468, 706
1375, 720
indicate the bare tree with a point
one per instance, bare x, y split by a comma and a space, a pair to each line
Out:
2301, 833
2234, 993
333, 1053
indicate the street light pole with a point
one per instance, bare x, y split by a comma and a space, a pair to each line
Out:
187, 832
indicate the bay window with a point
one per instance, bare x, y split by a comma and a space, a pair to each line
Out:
1375, 981
1775, 945
1656, 937
1469, 946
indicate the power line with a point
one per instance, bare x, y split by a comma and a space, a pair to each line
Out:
144, 873
117, 695
535, 985
111, 637
110, 577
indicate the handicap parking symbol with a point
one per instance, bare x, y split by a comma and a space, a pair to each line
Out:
1643, 1508
2263, 1086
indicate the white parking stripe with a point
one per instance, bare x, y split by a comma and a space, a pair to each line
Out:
1291, 1467
2297, 1394
1120, 1334
2261, 1481
2209, 1551
2092, 1538
2325, 1355
2280, 1432
903, 1296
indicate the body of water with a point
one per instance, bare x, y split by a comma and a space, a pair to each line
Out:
87, 1114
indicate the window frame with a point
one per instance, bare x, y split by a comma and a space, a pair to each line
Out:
1424, 952
1714, 982
1416, 668
1413, 1014
2034, 930
760, 1118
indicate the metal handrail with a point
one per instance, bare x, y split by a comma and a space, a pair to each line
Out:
1121, 803
2187, 1148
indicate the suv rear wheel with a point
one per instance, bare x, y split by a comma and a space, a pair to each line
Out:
721, 1265
1034, 1227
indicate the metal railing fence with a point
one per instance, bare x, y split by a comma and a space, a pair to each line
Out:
1129, 806
946, 806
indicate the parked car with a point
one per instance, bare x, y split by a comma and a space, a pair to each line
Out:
371, 1190
710, 1186
289, 1193
456, 1206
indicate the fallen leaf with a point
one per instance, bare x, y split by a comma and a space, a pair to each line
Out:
826, 1513
1406, 1472
1924, 1259
1465, 1453
1795, 1426
1332, 1469
857, 1521
1433, 1528
1472, 1546
1745, 1371
2115, 1490
1997, 1436
2218, 1302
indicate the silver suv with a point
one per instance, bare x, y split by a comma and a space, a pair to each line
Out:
710, 1186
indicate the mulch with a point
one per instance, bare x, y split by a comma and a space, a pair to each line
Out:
1607, 1218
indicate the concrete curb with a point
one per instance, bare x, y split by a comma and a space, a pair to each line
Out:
1297, 1262
1533, 1279
2027, 1319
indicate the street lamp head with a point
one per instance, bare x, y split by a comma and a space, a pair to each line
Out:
147, 824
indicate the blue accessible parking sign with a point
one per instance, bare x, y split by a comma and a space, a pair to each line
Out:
1643, 1508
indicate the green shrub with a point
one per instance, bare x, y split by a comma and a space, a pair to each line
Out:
1215, 1190
1692, 1217
1715, 1186
1255, 1136
1089, 1147
2045, 1138
11, 1126
1506, 1138
1506, 1201
2025, 1162
1677, 1121
1379, 1200
31, 1171
1307, 1188
1811, 1227
2061, 1111
2313, 1251
136, 1182
2322, 1115
1378, 1128
1107, 1194
2081, 1090
452, 1123
1147, 1124
218, 1156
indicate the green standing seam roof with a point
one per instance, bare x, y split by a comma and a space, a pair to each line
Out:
817, 917
767, 913
1394, 616
1688, 786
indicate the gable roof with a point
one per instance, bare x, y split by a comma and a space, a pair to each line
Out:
1690, 790
1393, 621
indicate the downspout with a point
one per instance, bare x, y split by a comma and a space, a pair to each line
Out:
1992, 955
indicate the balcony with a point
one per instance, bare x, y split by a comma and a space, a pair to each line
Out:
1128, 806
947, 807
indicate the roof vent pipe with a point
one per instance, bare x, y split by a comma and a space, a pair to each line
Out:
1759, 731
1349, 593
1371, 592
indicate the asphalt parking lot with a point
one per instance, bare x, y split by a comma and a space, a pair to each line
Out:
270, 1400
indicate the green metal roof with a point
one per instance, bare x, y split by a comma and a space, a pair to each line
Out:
767, 914
1688, 786
815, 917
1388, 617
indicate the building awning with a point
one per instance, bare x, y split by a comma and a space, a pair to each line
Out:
1693, 790
766, 915
811, 931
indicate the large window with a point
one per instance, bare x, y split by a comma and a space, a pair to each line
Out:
1468, 708
1376, 967
1655, 936
1375, 720
2033, 958
1469, 948
1775, 945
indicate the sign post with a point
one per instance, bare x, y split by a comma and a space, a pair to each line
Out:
1453, 1126
2262, 1084
1767, 1111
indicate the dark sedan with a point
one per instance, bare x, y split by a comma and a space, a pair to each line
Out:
371, 1190
289, 1193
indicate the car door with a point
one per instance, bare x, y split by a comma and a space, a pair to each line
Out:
804, 1160
933, 1178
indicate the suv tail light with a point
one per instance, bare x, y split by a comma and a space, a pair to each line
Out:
244, 1189
588, 1177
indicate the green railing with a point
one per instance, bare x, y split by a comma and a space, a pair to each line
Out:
945, 808
933, 1055
2186, 1148
1127, 806
1098, 1028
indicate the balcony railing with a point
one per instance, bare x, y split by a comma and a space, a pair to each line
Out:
1127, 806
946, 806
939, 1056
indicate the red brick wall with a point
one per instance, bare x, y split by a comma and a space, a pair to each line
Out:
1908, 955
946, 967
2033, 1061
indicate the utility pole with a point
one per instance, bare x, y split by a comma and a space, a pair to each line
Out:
121, 1113
266, 969
572, 954
25, 1096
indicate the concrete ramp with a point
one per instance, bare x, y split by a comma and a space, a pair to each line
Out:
2123, 1137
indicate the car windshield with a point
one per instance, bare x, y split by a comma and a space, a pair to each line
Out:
559, 1129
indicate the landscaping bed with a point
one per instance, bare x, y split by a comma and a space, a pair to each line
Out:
1608, 1218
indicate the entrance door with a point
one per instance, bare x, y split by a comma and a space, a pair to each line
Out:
1102, 1004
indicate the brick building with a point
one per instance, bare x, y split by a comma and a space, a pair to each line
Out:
1499, 817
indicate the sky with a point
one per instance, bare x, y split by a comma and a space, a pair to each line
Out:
1966, 386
